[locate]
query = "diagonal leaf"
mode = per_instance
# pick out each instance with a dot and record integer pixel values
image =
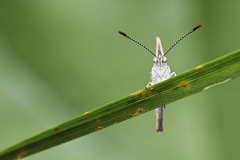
(193, 81)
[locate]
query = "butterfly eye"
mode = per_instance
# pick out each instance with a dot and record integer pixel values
(155, 60)
(164, 59)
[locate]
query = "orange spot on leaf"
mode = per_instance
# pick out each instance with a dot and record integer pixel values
(152, 89)
(139, 109)
(184, 84)
(55, 129)
(146, 94)
(86, 113)
(139, 93)
(99, 128)
(132, 95)
(199, 67)
(135, 114)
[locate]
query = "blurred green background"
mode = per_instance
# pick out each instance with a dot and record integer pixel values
(59, 59)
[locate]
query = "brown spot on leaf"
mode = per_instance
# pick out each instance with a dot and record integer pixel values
(135, 114)
(139, 109)
(184, 84)
(139, 93)
(21, 154)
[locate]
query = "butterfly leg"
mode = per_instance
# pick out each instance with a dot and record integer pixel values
(149, 84)
(159, 118)
(173, 74)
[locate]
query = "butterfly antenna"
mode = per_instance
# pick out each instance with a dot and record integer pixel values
(194, 29)
(125, 35)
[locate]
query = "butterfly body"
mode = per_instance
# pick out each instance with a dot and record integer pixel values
(160, 72)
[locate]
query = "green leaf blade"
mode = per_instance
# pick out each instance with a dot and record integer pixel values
(196, 80)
